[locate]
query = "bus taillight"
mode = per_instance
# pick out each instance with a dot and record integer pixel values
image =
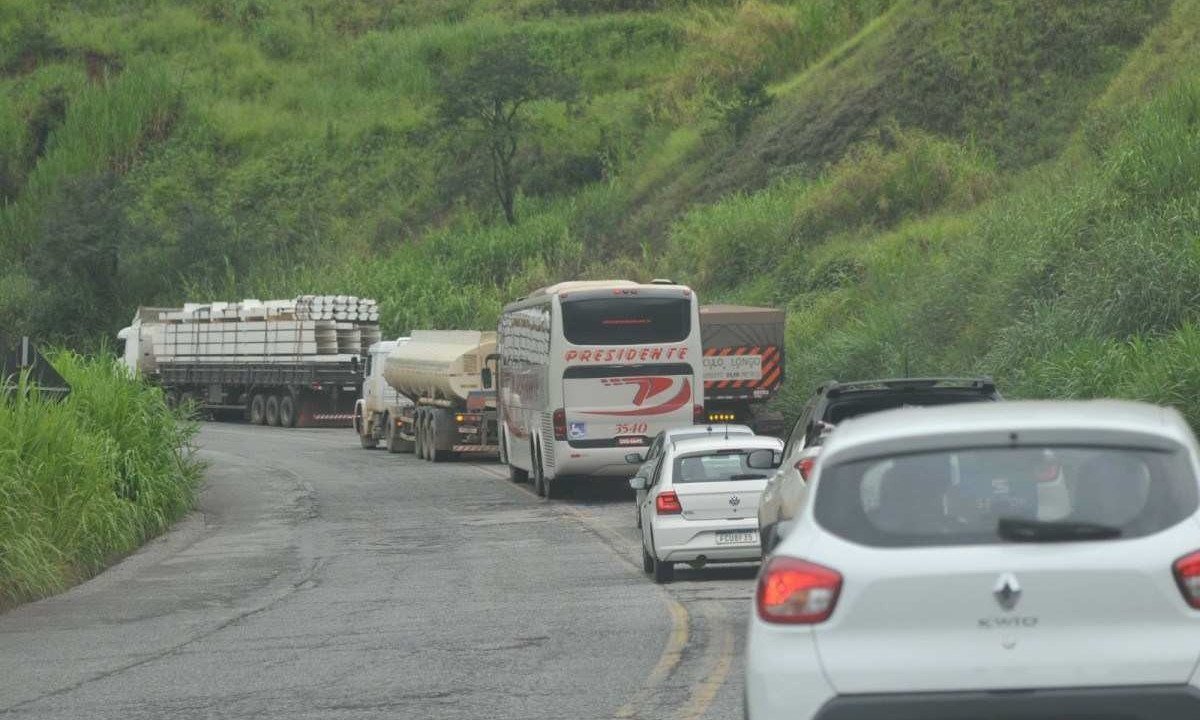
(560, 424)
(698, 414)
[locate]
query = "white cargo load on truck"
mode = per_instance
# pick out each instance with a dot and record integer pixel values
(440, 364)
(289, 361)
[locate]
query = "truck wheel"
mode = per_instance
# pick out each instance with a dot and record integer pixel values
(272, 411)
(258, 410)
(435, 454)
(437, 420)
(395, 443)
(287, 411)
(419, 431)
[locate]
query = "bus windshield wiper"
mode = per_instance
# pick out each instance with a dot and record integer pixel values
(1023, 530)
(748, 476)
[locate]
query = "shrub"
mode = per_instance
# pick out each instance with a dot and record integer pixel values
(88, 479)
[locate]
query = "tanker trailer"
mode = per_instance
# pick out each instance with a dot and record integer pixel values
(448, 375)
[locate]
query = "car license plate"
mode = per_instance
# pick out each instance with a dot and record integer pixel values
(737, 537)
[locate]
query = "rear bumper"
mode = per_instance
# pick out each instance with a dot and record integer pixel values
(1155, 702)
(678, 540)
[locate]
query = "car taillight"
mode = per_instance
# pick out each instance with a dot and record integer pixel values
(805, 466)
(560, 424)
(667, 503)
(1187, 574)
(796, 592)
(698, 414)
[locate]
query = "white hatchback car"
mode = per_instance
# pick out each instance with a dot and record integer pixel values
(925, 580)
(701, 501)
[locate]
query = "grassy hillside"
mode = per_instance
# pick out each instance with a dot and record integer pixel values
(928, 186)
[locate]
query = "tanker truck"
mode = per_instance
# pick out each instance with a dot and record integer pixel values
(448, 375)
(743, 365)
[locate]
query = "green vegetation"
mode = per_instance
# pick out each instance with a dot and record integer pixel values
(929, 187)
(87, 479)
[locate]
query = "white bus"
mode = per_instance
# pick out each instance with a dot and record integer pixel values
(589, 372)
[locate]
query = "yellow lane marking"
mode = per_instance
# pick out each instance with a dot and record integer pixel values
(720, 654)
(667, 662)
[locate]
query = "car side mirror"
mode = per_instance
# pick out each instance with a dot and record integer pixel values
(485, 376)
(635, 458)
(637, 482)
(764, 459)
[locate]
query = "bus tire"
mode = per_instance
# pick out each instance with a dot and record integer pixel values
(517, 475)
(539, 476)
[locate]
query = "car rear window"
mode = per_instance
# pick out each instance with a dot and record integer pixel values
(976, 496)
(715, 467)
(871, 403)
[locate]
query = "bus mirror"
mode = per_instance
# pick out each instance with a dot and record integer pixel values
(485, 376)
(635, 458)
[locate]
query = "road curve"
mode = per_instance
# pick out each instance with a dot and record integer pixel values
(319, 580)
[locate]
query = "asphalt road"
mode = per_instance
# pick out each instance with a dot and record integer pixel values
(320, 580)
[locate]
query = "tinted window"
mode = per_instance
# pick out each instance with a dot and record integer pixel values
(626, 321)
(855, 406)
(962, 497)
(715, 467)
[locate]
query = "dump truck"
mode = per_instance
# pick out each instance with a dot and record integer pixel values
(287, 363)
(376, 412)
(448, 375)
(743, 365)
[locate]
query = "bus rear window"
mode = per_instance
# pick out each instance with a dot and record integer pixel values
(626, 321)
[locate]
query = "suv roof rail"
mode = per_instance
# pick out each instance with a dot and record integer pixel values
(982, 384)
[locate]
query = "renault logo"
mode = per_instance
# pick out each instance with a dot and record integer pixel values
(1007, 591)
(735, 501)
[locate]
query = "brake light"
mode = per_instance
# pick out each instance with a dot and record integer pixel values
(560, 424)
(805, 466)
(698, 414)
(796, 592)
(667, 503)
(1187, 574)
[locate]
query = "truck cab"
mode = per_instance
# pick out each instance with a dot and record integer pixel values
(380, 407)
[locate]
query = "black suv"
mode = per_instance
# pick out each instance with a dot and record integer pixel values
(834, 402)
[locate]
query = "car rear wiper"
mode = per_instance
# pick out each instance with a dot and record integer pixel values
(1023, 530)
(748, 476)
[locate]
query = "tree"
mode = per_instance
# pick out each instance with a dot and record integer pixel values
(486, 99)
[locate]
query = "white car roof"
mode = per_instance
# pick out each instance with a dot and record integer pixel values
(717, 429)
(718, 442)
(1088, 421)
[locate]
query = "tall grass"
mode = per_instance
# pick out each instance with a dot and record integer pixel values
(87, 479)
